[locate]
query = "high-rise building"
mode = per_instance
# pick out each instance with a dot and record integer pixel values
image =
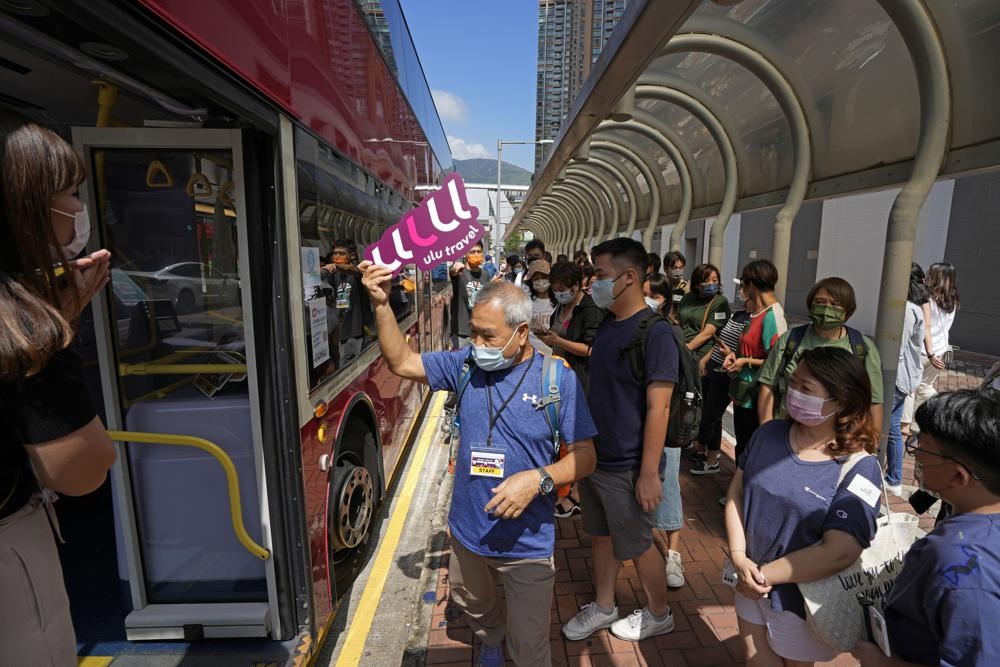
(571, 36)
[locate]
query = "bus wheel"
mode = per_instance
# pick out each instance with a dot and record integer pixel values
(353, 501)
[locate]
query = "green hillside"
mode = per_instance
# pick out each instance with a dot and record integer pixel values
(482, 170)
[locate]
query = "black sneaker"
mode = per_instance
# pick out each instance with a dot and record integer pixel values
(706, 468)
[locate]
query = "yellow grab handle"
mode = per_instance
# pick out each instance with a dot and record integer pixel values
(235, 511)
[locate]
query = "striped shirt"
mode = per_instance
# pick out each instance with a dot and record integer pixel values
(730, 335)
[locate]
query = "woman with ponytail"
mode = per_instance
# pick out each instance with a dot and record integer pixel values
(790, 518)
(50, 437)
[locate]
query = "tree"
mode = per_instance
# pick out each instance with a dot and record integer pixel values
(514, 243)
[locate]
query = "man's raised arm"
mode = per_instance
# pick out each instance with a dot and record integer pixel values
(401, 360)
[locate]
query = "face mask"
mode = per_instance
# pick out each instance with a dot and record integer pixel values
(491, 359)
(519, 270)
(81, 231)
(652, 303)
(710, 289)
(827, 317)
(540, 285)
(806, 408)
(564, 297)
(474, 261)
(603, 291)
(677, 274)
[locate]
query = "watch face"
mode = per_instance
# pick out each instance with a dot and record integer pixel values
(546, 486)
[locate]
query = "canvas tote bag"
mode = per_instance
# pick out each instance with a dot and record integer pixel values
(833, 612)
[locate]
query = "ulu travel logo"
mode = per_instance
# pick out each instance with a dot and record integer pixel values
(443, 227)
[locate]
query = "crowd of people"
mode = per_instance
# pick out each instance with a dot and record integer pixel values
(804, 501)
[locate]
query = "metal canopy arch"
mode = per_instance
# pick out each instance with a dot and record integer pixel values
(622, 178)
(698, 189)
(544, 225)
(604, 181)
(650, 87)
(581, 195)
(657, 186)
(559, 193)
(560, 222)
(680, 166)
(610, 198)
(653, 206)
(791, 104)
(596, 197)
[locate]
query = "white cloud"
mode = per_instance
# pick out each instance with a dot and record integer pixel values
(450, 107)
(463, 150)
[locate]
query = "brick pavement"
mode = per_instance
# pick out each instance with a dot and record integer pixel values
(705, 630)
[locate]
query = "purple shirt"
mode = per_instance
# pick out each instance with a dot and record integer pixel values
(789, 503)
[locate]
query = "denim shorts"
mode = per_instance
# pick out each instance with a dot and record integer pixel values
(669, 515)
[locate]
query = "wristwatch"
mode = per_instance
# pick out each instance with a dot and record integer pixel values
(546, 485)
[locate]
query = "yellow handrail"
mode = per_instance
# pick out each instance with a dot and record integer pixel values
(180, 369)
(235, 511)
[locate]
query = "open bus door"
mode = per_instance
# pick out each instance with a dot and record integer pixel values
(174, 344)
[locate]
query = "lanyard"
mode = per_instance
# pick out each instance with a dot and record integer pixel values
(489, 399)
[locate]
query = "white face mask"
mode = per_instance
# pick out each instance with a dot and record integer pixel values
(564, 297)
(81, 231)
(492, 358)
(540, 285)
(652, 303)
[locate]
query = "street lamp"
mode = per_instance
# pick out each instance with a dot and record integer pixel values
(427, 162)
(496, 231)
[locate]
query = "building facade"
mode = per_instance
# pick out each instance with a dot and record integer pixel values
(571, 36)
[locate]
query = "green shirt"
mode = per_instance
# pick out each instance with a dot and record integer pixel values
(691, 312)
(773, 376)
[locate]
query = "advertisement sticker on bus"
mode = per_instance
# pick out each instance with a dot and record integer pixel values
(443, 227)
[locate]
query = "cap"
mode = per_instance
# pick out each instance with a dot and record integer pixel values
(737, 281)
(538, 266)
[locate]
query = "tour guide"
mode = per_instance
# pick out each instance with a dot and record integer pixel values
(501, 520)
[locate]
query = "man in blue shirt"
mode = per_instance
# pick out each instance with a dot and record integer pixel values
(501, 517)
(620, 497)
(944, 607)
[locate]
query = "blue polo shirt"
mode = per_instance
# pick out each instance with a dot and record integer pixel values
(522, 434)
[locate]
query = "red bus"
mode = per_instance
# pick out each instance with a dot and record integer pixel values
(230, 147)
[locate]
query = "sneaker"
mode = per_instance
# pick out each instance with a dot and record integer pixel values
(490, 656)
(697, 455)
(675, 571)
(563, 512)
(588, 620)
(894, 489)
(640, 625)
(706, 468)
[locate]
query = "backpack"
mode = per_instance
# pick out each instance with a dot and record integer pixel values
(795, 336)
(685, 402)
(552, 372)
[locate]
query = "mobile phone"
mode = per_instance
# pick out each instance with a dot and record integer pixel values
(729, 575)
(877, 629)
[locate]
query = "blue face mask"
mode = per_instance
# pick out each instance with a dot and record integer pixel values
(602, 292)
(709, 290)
(491, 359)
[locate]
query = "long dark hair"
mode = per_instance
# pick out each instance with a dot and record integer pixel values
(35, 165)
(941, 281)
(844, 377)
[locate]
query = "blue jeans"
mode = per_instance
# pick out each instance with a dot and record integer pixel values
(669, 515)
(894, 447)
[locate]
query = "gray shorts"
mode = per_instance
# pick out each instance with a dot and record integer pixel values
(611, 510)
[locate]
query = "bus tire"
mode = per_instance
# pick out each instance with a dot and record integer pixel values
(353, 501)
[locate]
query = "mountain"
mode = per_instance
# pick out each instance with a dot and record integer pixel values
(482, 170)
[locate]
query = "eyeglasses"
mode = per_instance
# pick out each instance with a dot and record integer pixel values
(912, 447)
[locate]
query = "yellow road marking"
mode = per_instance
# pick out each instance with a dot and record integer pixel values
(360, 625)
(94, 661)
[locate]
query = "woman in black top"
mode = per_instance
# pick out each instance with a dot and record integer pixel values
(50, 436)
(574, 322)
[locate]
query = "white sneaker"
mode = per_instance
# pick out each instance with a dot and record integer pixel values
(675, 572)
(895, 489)
(640, 625)
(587, 621)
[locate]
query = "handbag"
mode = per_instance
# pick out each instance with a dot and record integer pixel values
(834, 612)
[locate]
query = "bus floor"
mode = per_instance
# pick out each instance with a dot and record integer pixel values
(411, 622)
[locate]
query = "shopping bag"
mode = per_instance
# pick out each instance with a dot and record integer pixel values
(833, 611)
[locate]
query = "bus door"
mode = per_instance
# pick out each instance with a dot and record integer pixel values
(176, 352)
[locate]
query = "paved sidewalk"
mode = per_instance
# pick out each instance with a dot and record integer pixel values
(705, 624)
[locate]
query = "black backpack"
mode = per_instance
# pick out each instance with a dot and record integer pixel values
(685, 402)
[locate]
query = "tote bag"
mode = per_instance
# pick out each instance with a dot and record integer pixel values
(833, 612)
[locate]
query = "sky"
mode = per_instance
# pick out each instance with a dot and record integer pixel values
(479, 57)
